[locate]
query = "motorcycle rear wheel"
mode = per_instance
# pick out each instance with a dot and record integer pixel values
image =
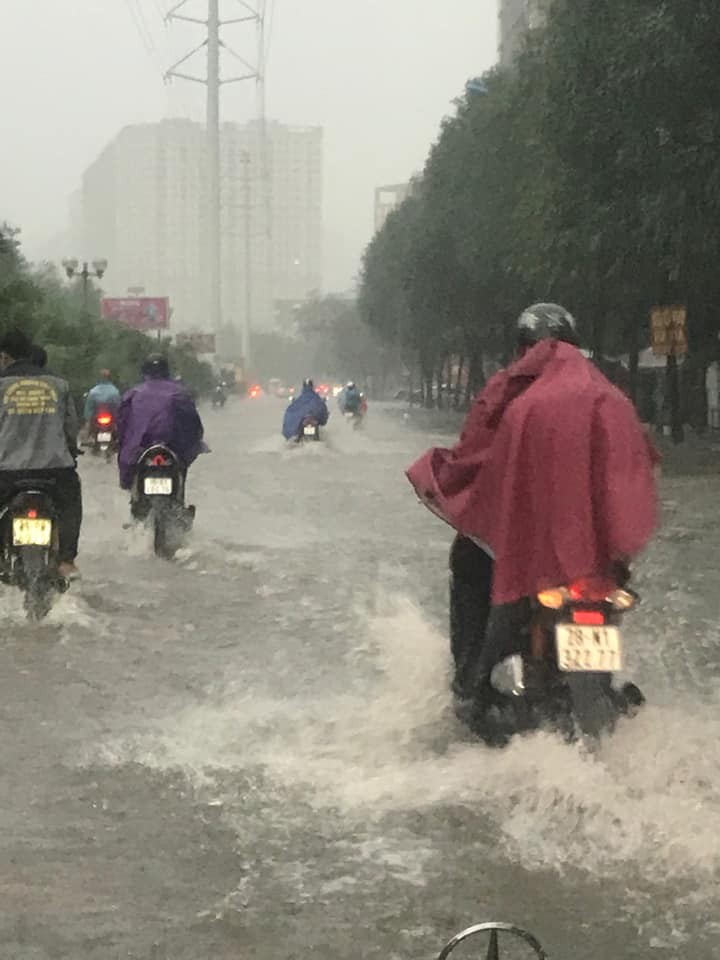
(38, 584)
(593, 706)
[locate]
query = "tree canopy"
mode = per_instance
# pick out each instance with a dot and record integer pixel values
(587, 173)
(79, 344)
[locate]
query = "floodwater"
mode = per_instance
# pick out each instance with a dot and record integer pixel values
(250, 752)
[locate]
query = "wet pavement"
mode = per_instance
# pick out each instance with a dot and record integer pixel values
(250, 752)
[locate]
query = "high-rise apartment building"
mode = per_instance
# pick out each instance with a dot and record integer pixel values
(515, 18)
(144, 204)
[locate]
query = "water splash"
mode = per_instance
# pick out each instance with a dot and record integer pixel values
(390, 746)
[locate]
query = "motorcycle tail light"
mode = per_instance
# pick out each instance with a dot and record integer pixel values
(554, 599)
(32, 514)
(622, 599)
(588, 618)
(591, 588)
(159, 461)
(104, 419)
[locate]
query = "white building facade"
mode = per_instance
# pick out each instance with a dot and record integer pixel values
(144, 207)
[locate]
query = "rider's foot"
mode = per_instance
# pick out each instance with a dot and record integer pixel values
(68, 570)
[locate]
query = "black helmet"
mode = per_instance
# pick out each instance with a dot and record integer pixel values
(156, 365)
(546, 321)
(308, 384)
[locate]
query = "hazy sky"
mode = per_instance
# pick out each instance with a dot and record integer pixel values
(378, 75)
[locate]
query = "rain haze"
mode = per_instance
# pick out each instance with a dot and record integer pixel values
(377, 75)
(245, 711)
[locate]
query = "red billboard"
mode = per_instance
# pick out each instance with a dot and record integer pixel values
(140, 313)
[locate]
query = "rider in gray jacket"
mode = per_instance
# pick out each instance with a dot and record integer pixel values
(38, 438)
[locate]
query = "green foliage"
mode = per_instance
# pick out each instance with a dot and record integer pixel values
(587, 174)
(78, 344)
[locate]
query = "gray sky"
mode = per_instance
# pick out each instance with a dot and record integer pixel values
(378, 75)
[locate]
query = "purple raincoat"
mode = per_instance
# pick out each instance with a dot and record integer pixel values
(157, 411)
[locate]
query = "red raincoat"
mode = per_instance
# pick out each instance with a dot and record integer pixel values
(553, 472)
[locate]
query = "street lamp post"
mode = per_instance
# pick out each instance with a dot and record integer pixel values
(71, 265)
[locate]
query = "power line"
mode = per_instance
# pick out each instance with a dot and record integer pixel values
(268, 40)
(145, 38)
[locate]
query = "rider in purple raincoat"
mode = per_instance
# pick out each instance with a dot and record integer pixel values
(159, 410)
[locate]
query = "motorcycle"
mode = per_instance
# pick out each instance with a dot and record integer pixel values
(558, 669)
(29, 546)
(309, 430)
(102, 435)
(219, 398)
(158, 499)
(354, 418)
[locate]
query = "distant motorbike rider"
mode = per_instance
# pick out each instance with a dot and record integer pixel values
(350, 398)
(219, 395)
(309, 405)
(158, 410)
(103, 396)
(551, 480)
(38, 438)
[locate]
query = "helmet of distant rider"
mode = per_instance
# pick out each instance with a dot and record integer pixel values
(546, 321)
(308, 384)
(350, 385)
(156, 365)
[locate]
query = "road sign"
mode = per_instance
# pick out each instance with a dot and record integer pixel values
(668, 327)
(140, 313)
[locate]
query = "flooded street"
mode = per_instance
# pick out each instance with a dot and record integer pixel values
(250, 752)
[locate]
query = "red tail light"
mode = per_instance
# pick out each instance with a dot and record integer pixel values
(159, 460)
(32, 514)
(591, 588)
(105, 419)
(588, 618)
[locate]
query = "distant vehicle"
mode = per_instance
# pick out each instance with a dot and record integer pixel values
(255, 391)
(323, 389)
(285, 393)
(102, 436)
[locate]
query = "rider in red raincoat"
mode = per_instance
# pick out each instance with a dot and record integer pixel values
(552, 480)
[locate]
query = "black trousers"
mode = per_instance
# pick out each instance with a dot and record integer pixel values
(481, 634)
(67, 494)
(471, 573)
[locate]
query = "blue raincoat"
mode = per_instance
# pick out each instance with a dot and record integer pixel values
(349, 400)
(308, 404)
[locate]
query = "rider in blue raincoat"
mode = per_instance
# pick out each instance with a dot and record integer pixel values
(350, 399)
(308, 404)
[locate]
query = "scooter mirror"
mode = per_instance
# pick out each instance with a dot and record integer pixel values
(508, 677)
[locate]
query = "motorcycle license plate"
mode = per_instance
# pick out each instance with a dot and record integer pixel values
(31, 533)
(588, 649)
(309, 431)
(158, 486)
(104, 437)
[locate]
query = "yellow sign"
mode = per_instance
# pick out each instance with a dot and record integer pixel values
(668, 328)
(35, 397)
